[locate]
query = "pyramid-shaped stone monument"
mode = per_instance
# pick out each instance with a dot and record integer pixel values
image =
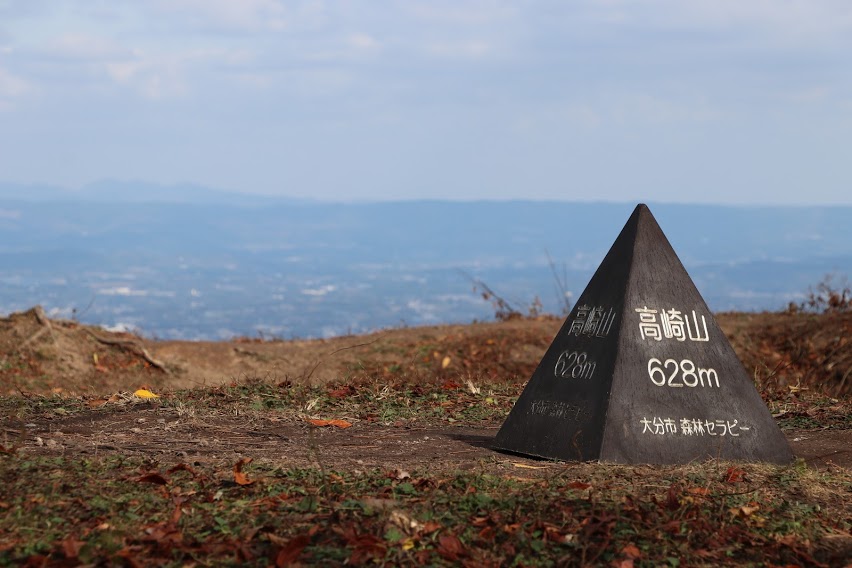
(640, 372)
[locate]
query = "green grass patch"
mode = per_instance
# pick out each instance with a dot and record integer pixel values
(381, 402)
(116, 510)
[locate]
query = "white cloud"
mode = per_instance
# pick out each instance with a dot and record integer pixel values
(123, 71)
(85, 46)
(165, 74)
(652, 109)
(258, 81)
(12, 86)
(329, 48)
(791, 18)
(130, 292)
(814, 94)
(469, 13)
(153, 76)
(464, 49)
(233, 15)
(121, 327)
(573, 115)
(801, 23)
(363, 42)
(321, 291)
(122, 291)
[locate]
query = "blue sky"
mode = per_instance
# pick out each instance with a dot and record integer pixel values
(722, 101)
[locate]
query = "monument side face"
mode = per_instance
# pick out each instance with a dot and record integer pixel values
(562, 410)
(679, 391)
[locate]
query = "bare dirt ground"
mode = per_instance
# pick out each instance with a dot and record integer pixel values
(784, 351)
(39, 355)
(163, 434)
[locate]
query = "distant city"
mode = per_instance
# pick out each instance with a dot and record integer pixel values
(191, 263)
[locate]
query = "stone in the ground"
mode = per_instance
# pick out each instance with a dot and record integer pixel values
(640, 372)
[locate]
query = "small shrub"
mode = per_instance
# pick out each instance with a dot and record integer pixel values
(826, 298)
(503, 309)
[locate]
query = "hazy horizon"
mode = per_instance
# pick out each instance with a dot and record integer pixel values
(152, 192)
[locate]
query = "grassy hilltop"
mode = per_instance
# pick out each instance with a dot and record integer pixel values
(374, 450)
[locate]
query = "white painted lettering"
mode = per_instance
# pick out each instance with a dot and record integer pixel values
(679, 374)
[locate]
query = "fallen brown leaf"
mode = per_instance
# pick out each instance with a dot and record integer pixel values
(290, 552)
(365, 547)
(163, 533)
(71, 547)
(632, 552)
(342, 392)
(153, 478)
(745, 510)
(734, 475)
(431, 526)
(182, 467)
(240, 477)
(450, 547)
(335, 423)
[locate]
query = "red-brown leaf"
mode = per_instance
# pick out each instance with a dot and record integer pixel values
(335, 423)
(342, 392)
(366, 548)
(450, 547)
(291, 551)
(71, 547)
(153, 478)
(672, 502)
(163, 533)
(630, 551)
(431, 526)
(734, 475)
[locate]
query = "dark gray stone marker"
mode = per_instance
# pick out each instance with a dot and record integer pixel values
(640, 372)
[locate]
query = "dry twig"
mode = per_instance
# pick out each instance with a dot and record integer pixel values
(129, 344)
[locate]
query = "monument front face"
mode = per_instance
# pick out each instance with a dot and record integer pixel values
(562, 410)
(641, 372)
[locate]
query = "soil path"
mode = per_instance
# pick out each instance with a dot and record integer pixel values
(166, 435)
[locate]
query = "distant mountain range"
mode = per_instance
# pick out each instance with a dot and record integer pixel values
(114, 191)
(189, 262)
